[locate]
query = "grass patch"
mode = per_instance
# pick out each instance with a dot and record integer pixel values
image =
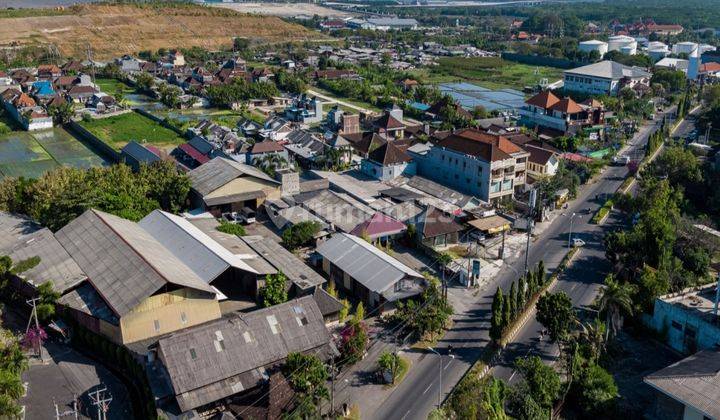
(489, 72)
(603, 211)
(403, 368)
(118, 130)
(347, 100)
(110, 86)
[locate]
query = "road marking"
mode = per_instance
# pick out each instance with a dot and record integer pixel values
(406, 414)
(427, 389)
(447, 365)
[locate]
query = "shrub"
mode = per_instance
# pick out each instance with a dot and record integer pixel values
(231, 228)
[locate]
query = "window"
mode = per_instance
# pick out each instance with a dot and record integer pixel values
(193, 353)
(300, 316)
(247, 336)
(677, 325)
(219, 341)
(183, 318)
(274, 325)
(156, 323)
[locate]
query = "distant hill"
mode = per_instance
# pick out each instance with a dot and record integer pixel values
(113, 30)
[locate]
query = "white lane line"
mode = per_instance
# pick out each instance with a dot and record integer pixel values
(406, 414)
(427, 389)
(448, 364)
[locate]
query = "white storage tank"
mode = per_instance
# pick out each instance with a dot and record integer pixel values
(629, 49)
(684, 47)
(618, 41)
(593, 45)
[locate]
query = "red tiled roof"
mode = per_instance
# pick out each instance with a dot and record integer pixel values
(574, 157)
(388, 122)
(539, 155)
(266, 147)
(378, 225)
(193, 153)
(567, 106)
(544, 99)
(710, 67)
(24, 101)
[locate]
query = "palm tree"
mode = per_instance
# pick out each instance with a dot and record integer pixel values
(593, 335)
(616, 299)
(270, 163)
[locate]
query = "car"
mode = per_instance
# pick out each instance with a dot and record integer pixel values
(476, 236)
(577, 242)
(247, 215)
(232, 217)
(620, 160)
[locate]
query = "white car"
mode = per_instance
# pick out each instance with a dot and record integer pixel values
(577, 242)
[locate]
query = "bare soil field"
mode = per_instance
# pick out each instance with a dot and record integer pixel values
(283, 9)
(113, 30)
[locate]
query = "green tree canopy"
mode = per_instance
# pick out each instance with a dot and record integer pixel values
(555, 312)
(275, 290)
(542, 380)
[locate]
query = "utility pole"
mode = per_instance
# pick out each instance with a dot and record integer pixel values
(332, 387)
(532, 202)
(70, 412)
(101, 402)
(33, 316)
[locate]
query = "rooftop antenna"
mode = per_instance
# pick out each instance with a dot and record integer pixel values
(101, 402)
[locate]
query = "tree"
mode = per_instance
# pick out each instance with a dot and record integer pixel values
(45, 307)
(496, 320)
(275, 290)
(391, 363)
(541, 275)
(300, 234)
(429, 314)
(555, 312)
(596, 390)
(354, 340)
(61, 113)
(270, 163)
(522, 286)
(592, 338)
(170, 95)
(542, 380)
(144, 82)
(616, 299)
(513, 300)
(240, 44)
(478, 398)
(307, 376)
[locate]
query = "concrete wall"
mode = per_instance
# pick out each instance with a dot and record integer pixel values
(458, 171)
(387, 173)
(686, 323)
(594, 85)
(103, 147)
(168, 309)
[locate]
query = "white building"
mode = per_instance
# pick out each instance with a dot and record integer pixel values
(625, 44)
(657, 50)
(673, 64)
(688, 47)
(594, 45)
(605, 77)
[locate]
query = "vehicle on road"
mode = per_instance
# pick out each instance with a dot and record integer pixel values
(577, 242)
(620, 160)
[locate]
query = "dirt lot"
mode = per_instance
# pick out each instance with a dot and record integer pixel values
(114, 30)
(284, 9)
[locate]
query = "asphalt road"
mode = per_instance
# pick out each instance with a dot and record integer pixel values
(417, 395)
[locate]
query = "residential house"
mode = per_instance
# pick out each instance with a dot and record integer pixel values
(304, 109)
(688, 389)
(237, 353)
(388, 161)
(223, 185)
(135, 154)
(48, 71)
(563, 116)
(262, 150)
(473, 162)
(136, 288)
(541, 162)
(275, 128)
(604, 78)
(304, 147)
(437, 229)
(380, 228)
(25, 110)
(369, 274)
(390, 125)
(340, 211)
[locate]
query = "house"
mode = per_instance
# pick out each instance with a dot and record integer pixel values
(25, 110)
(302, 280)
(304, 147)
(136, 288)
(81, 93)
(390, 125)
(388, 161)
(275, 128)
(380, 228)
(261, 150)
(541, 162)
(209, 363)
(48, 71)
(369, 274)
(565, 116)
(223, 185)
(340, 211)
(474, 162)
(688, 320)
(688, 389)
(436, 229)
(304, 109)
(135, 155)
(665, 30)
(335, 74)
(604, 78)
(262, 75)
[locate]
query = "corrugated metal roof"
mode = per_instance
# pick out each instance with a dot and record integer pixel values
(219, 171)
(694, 381)
(124, 262)
(335, 209)
(21, 238)
(207, 258)
(283, 260)
(363, 262)
(221, 358)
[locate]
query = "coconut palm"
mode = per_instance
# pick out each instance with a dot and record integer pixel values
(592, 334)
(616, 299)
(270, 163)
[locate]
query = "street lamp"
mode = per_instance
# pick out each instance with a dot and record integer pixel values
(572, 216)
(441, 370)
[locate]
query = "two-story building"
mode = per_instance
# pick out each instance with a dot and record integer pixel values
(476, 163)
(563, 116)
(604, 78)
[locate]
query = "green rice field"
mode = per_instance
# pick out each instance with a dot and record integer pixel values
(31, 154)
(118, 130)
